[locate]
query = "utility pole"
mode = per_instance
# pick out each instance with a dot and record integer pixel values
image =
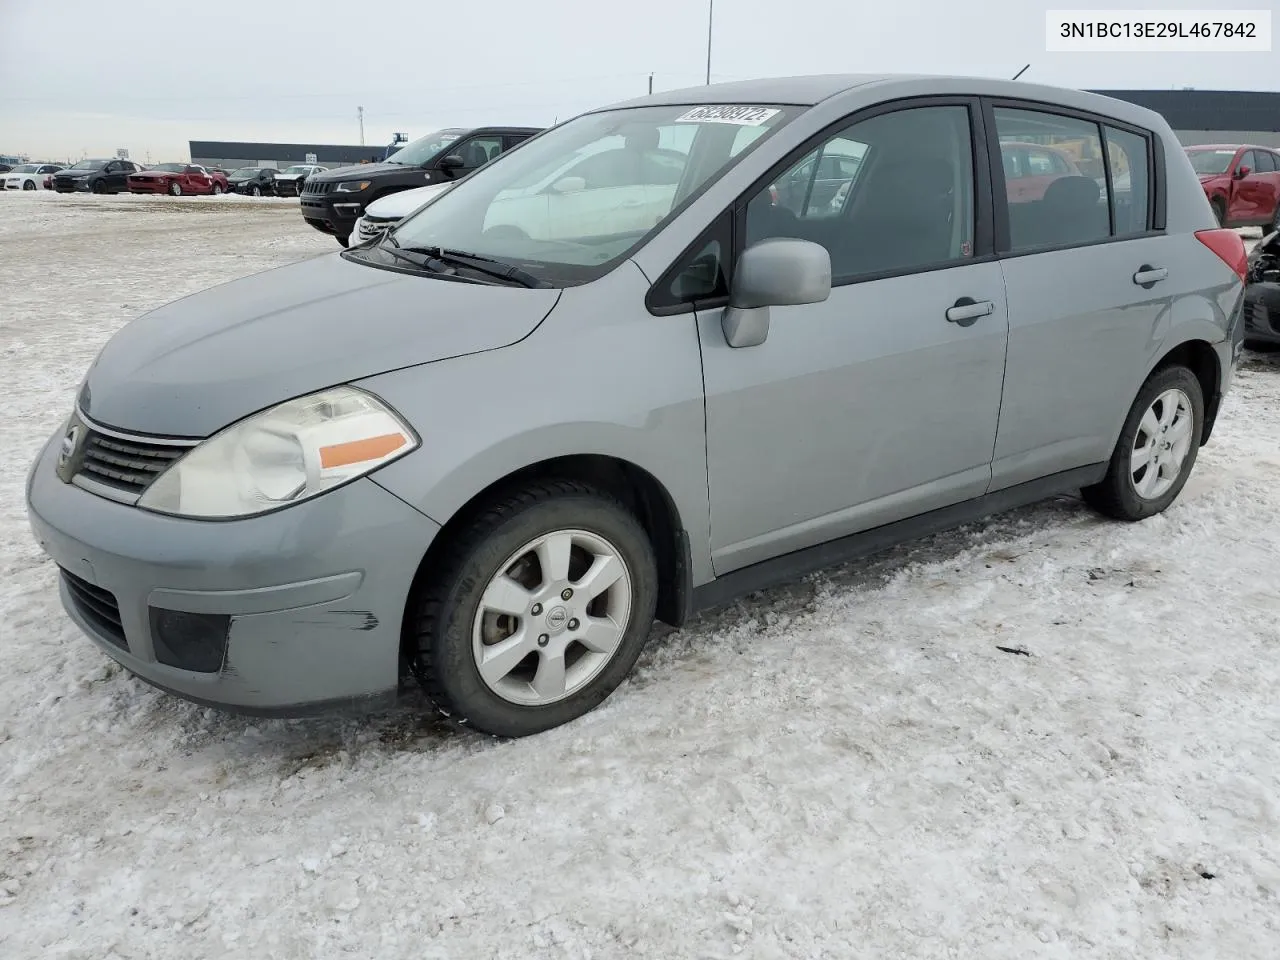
(651, 83)
(711, 9)
(360, 117)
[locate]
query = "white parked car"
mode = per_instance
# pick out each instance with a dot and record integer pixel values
(386, 212)
(28, 176)
(289, 180)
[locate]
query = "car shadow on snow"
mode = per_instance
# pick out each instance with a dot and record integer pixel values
(413, 726)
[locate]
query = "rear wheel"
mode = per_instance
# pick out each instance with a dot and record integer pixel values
(1156, 450)
(216, 189)
(538, 611)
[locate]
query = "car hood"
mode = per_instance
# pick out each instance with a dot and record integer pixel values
(361, 170)
(198, 364)
(153, 173)
(403, 202)
(76, 173)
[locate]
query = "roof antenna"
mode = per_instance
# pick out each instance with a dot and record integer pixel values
(1022, 71)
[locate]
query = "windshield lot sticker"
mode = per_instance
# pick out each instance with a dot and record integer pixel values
(742, 116)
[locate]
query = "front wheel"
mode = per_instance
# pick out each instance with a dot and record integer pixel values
(28, 184)
(344, 241)
(1156, 450)
(175, 189)
(537, 612)
(98, 187)
(256, 191)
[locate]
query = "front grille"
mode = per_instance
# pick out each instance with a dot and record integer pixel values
(98, 607)
(128, 465)
(318, 188)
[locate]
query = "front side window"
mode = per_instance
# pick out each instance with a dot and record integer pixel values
(1066, 204)
(1267, 162)
(889, 194)
(570, 204)
(1248, 161)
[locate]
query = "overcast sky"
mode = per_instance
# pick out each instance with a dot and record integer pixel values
(89, 76)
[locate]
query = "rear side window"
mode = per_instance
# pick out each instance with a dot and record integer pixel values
(1129, 162)
(1057, 202)
(1266, 162)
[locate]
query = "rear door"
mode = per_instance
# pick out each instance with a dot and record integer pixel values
(882, 402)
(1088, 281)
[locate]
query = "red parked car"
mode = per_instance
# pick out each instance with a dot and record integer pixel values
(1242, 183)
(176, 179)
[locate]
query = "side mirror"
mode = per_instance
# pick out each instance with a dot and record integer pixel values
(1242, 172)
(773, 273)
(452, 162)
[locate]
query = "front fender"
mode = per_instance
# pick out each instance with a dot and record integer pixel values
(600, 376)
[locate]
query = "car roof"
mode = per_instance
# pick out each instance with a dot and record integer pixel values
(1217, 146)
(808, 91)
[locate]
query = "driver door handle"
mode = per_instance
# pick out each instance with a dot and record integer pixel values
(966, 311)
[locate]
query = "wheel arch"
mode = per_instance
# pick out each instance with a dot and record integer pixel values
(1200, 357)
(637, 488)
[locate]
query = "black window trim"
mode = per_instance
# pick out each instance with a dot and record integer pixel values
(983, 235)
(1156, 201)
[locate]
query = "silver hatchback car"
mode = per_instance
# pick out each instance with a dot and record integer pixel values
(629, 370)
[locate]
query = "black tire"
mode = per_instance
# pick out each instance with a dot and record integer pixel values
(256, 191)
(1115, 496)
(175, 189)
(98, 187)
(445, 610)
(344, 241)
(28, 184)
(1219, 211)
(216, 190)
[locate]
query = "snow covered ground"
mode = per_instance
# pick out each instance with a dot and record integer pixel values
(846, 768)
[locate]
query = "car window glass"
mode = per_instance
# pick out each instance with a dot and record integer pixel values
(1068, 203)
(1266, 161)
(478, 151)
(1247, 160)
(1127, 157)
(902, 197)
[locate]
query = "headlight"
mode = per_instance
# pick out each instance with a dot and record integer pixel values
(352, 186)
(284, 455)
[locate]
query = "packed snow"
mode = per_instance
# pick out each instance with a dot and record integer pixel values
(1043, 736)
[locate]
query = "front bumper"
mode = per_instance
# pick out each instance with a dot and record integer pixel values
(335, 214)
(1262, 313)
(288, 188)
(71, 186)
(306, 603)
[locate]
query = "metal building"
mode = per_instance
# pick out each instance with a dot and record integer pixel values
(1212, 116)
(230, 154)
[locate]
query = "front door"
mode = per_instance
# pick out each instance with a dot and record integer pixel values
(882, 402)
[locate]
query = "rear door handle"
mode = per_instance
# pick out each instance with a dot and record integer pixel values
(1148, 276)
(966, 311)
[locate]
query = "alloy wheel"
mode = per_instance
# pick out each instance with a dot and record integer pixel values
(1161, 445)
(552, 617)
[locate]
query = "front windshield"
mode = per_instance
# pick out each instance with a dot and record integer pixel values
(89, 165)
(245, 173)
(168, 167)
(1211, 161)
(425, 149)
(570, 203)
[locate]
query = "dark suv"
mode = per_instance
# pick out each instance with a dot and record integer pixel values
(332, 201)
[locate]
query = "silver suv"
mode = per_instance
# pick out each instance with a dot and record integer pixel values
(631, 369)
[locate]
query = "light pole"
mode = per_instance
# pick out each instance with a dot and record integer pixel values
(711, 10)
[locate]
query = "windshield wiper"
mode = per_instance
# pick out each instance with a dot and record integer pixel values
(499, 269)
